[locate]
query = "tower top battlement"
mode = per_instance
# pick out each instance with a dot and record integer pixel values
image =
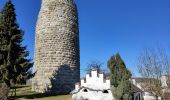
(59, 1)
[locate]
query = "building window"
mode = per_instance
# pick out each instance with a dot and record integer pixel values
(105, 91)
(139, 96)
(136, 98)
(85, 90)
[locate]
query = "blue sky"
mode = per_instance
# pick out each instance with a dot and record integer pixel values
(107, 27)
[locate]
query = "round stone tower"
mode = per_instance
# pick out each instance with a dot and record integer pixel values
(57, 57)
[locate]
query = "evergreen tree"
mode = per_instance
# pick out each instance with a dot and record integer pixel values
(119, 77)
(14, 66)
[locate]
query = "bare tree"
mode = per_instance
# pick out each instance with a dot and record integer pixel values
(153, 64)
(94, 65)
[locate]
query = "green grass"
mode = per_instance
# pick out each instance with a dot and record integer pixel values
(25, 93)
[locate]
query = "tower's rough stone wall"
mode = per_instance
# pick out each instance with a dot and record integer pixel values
(56, 58)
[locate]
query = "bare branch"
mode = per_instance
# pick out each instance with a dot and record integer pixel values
(153, 63)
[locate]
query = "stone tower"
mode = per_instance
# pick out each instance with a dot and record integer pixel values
(57, 58)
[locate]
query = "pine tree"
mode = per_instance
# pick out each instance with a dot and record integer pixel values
(14, 65)
(119, 76)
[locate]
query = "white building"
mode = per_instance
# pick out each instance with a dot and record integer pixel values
(165, 80)
(144, 94)
(95, 86)
(137, 93)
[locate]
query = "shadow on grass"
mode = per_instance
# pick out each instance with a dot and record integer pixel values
(20, 86)
(34, 96)
(62, 83)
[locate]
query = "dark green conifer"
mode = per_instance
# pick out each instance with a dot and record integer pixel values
(119, 77)
(14, 66)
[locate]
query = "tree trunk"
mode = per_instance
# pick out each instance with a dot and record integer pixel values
(15, 92)
(4, 90)
(12, 92)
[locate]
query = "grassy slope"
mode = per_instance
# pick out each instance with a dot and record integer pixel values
(25, 93)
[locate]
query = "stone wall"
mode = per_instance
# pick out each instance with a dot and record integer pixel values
(56, 58)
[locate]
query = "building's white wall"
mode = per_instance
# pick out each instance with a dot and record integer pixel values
(90, 81)
(148, 97)
(92, 95)
(93, 81)
(164, 81)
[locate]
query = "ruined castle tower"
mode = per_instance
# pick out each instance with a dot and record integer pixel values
(56, 58)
